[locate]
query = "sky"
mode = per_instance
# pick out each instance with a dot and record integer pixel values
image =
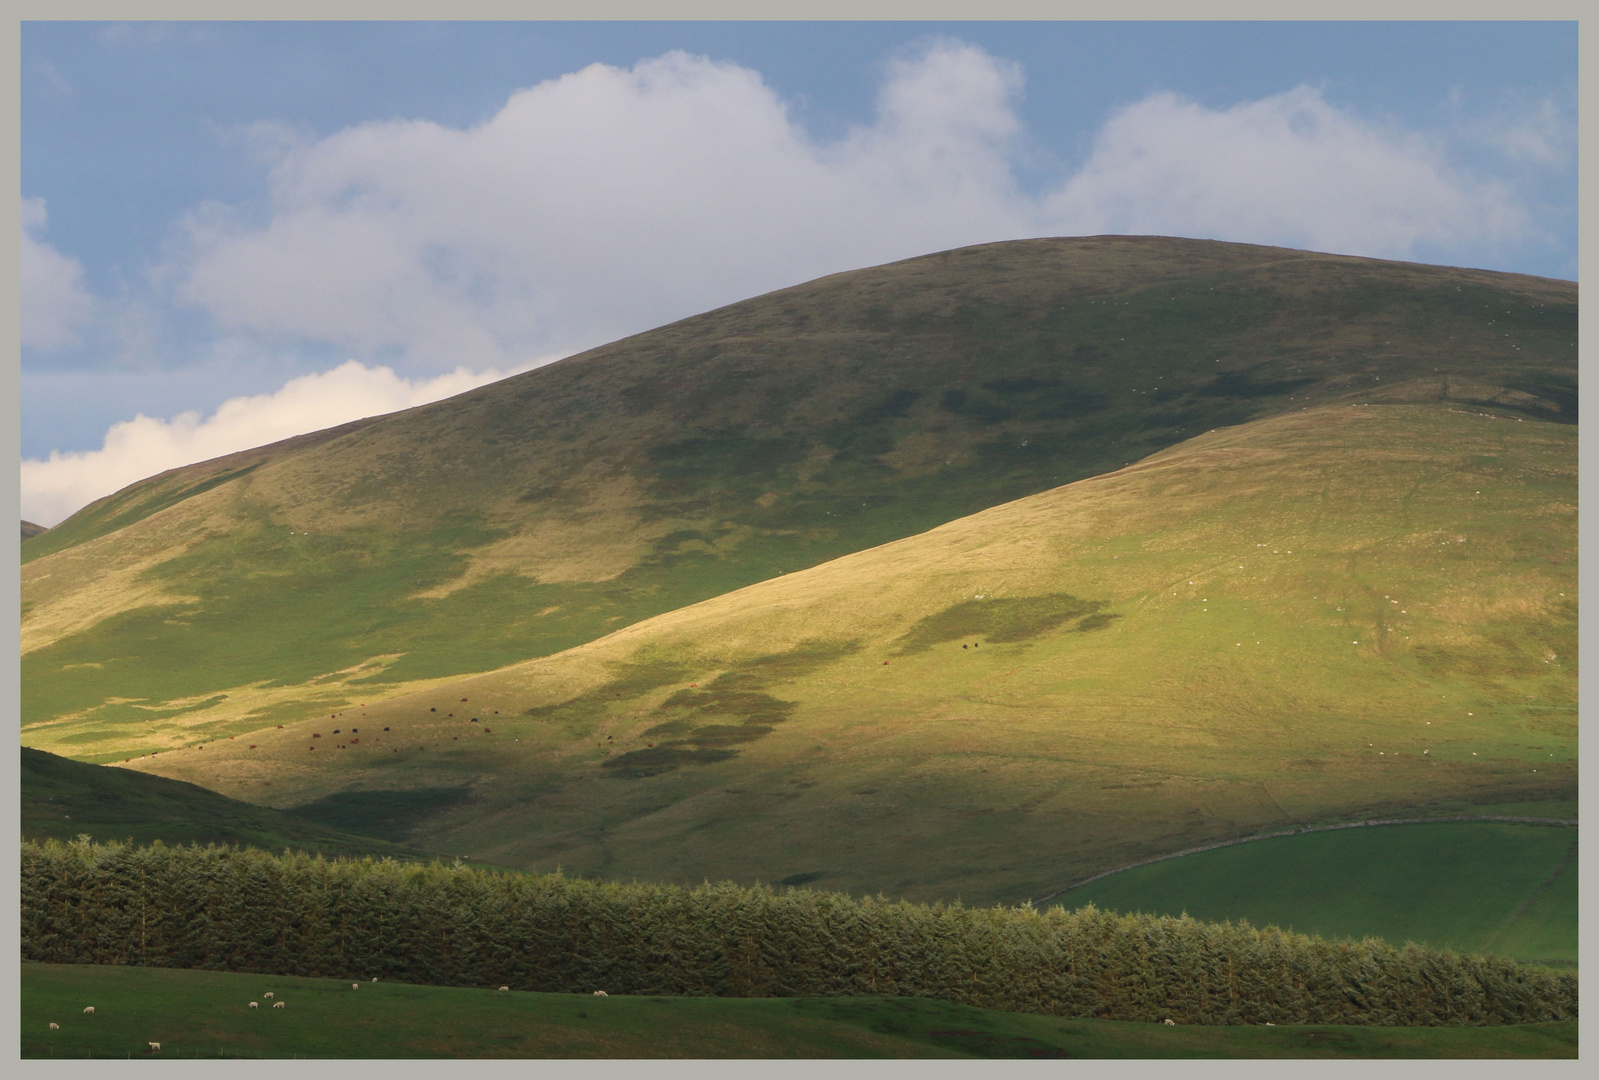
(237, 232)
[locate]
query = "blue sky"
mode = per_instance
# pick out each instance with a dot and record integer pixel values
(237, 231)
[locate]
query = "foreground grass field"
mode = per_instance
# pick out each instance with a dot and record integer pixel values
(1473, 887)
(205, 1014)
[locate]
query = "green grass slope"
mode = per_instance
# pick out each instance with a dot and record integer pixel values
(63, 799)
(1338, 613)
(1472, 887)
(530, 516)
(206, 1015)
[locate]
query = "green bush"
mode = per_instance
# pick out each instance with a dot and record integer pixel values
(240, 909)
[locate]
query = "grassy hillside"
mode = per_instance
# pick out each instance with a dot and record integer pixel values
(206, 1014)
(63, 799)
(539, 513)
(1345, 611)
(1474, 887)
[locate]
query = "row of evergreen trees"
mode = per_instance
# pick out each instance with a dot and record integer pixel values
(293, 914)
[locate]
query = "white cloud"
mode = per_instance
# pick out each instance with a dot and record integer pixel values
(605, 202)
(611, 200)
(55, 488)
(1541, 134)
(53, 300)
(1290, 169)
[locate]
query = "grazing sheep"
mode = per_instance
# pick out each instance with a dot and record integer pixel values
(355, 986)
(277, 1004)
(601, 993)
(505, 988)
(1171, 1023)
(155, 1047)
(90, 1009)
(267, 994)
(1270, 1024)
(255, 1004)
(55, 1027)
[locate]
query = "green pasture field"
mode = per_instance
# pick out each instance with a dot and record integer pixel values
(1471, 887)
(205, 1015)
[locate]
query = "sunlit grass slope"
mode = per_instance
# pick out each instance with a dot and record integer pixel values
(1472, 887)
(64, 799)
(541, 512)
(1346, 611)
(206, 1014)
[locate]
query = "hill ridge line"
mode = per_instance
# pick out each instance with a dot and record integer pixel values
(1301, 831)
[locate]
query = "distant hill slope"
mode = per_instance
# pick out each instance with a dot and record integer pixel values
(1346, 611)
(62, 799)
(538, 513)
(29, 529)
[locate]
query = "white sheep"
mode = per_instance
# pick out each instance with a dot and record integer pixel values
(277, 1005)
(355, 986)
(55, 1027)
(1171, 1023)
(155, 1047)
(601, 993)
(90, 1009)
(267, 994)
(254, 1004)
(505, 988)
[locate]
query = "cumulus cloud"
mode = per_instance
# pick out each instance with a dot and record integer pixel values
(607, 201)
(1290, 169)
(55, 488)
(612, 199)
(53, 299)
(1541, 134)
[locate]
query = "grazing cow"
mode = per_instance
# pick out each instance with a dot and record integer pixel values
(268, 994)
(254, 1004)
(55, 1027)
(155, 1047)
(601, 993)
(90, 1009)
(277, 1004)
(1171, 1023)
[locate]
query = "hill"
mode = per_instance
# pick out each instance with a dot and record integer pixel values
(1344, 611)
(541, 512)
(30, 530)
(63, 799)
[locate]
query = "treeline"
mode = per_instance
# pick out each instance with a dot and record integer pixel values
(293, 914)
